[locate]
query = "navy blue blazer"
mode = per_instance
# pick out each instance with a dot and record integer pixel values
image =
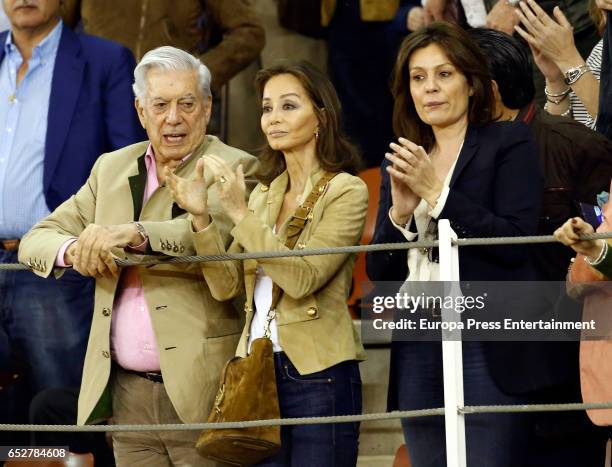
(91, 110)
(495, 190)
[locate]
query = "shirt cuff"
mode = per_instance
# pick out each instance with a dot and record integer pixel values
(437, 209)
(59, 259)
(403, 228)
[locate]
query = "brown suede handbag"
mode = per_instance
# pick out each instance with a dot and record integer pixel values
(247, 389)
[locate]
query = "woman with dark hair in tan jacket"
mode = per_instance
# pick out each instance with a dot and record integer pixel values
(316, 348)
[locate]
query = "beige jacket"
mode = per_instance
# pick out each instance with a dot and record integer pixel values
(195, 333)
(370, 10)
(315, 328)
(226, 34)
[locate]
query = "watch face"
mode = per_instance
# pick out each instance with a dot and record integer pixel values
(571, 75)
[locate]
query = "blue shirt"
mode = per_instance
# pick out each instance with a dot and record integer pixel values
(23, 130)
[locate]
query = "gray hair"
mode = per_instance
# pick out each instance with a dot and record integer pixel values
(169, 58)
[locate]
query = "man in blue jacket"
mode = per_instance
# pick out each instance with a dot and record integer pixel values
(65, 98)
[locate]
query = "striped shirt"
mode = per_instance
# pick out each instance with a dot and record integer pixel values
(577, 108)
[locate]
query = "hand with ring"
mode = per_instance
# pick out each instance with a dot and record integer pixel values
(231, 187)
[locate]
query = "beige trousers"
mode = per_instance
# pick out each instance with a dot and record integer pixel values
(138, 401)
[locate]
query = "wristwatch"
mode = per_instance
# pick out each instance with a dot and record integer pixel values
(573, 74)
(141, 231)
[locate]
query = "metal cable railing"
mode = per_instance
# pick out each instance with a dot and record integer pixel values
(340, 250)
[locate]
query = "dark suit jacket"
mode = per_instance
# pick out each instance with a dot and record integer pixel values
(495, 190)
(91, 110)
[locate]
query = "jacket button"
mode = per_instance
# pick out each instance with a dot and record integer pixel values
(301, 246)
(105, 354)
(106, 311)
(247, 308)
(162, 245)
(181, 249)
(312, 311)
(265, 188)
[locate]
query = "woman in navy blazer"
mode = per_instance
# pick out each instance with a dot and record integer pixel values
(452, 161)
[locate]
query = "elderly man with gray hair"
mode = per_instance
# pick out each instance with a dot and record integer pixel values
(158, 339)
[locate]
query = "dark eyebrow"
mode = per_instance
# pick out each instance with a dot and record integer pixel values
(437, 66)
(289, 94)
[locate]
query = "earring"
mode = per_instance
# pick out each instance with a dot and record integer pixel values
(317, 134)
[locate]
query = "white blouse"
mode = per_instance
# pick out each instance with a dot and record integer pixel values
(420, 268)
(263, 300)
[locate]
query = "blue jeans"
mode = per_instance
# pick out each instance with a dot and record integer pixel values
(492, 440)
(44, 326)
(334, 391)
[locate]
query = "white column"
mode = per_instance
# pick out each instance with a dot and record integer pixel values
(452, 356)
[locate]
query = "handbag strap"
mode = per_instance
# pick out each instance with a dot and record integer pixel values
(298, 222)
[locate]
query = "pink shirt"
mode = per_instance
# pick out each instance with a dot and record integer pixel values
(133, 342)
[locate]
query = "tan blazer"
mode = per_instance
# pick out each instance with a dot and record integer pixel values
(195, 333)
(315, 328)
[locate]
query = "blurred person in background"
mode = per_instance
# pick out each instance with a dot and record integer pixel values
(501, 16)
(362, 38)
(576, 165)
(572, 84)
(588, 279)
(604, 120)
(225, 34)
(66, 99)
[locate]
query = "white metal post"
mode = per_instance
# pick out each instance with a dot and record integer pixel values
(452, 355)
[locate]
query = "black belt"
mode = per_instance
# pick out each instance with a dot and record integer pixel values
(154, 376)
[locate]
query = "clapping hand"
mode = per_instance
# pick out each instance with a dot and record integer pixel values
(231, 186)
(191, 194)
(553, 38)
(414, 177)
